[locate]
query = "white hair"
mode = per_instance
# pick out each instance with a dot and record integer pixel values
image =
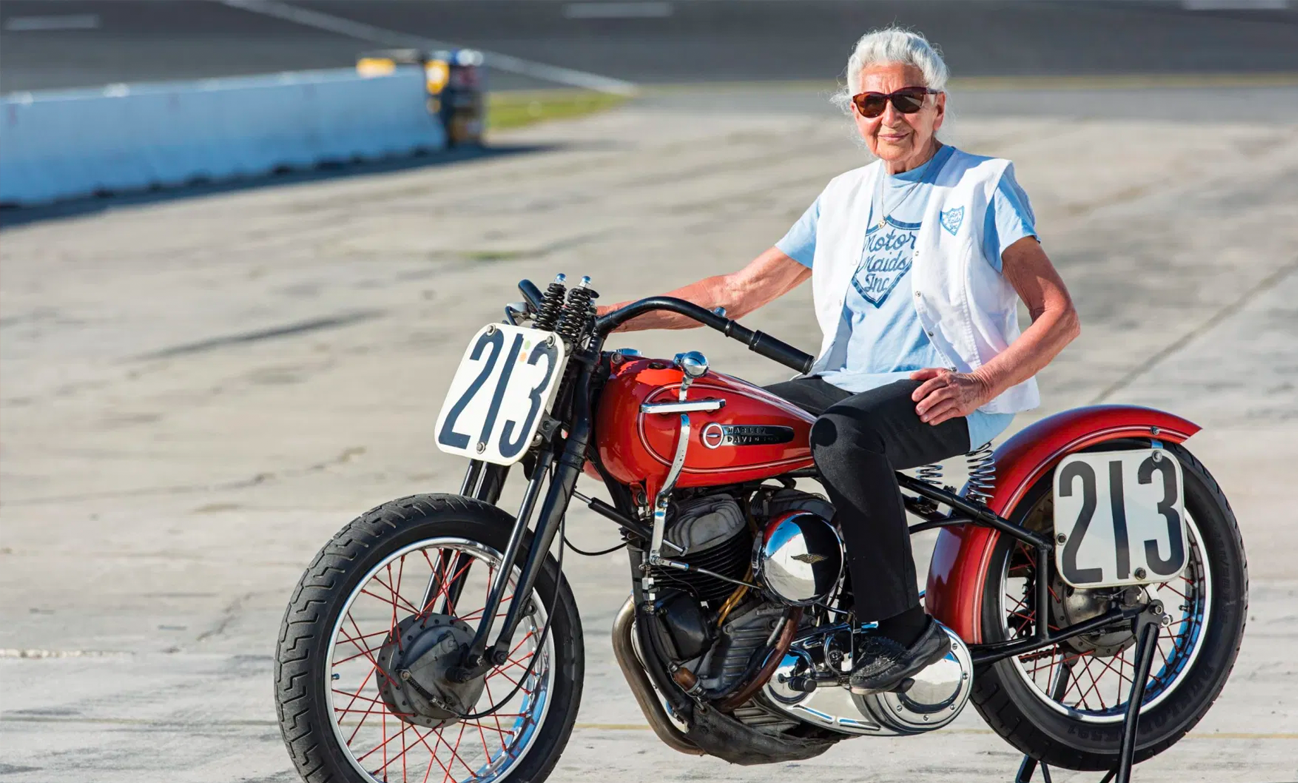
(891, 45)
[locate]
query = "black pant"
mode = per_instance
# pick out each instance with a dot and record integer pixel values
(858, 442)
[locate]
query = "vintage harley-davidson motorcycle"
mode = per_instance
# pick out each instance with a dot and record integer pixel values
(1090, 576)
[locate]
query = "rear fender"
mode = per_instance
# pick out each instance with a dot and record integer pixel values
(958, 570)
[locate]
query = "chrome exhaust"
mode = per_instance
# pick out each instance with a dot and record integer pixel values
(641, 687)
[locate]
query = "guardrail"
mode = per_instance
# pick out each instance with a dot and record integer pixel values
(67, 144)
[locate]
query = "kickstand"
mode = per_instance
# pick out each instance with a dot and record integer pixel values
(1145, 627)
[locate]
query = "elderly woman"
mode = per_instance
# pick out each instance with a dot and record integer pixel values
(917, 263)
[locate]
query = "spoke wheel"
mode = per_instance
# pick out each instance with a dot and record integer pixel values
(376, 623)
(1090, 678)
(432, 579)
(1065, 704)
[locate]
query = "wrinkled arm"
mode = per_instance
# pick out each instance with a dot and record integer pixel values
(1054, 319)
(944, 395)
(764, 279)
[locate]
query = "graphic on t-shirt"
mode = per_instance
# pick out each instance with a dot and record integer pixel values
(886, 261)
(952, 218)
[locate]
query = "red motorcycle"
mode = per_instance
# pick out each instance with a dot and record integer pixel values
(1090, 576)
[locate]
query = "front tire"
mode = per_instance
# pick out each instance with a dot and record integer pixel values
(341, 727)
(1194, 659)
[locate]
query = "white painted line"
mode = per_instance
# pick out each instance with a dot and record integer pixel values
(617, 10)
(1234, 5)
(378, 35)
(27, 24)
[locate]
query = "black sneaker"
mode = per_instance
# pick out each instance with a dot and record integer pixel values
(882, 664)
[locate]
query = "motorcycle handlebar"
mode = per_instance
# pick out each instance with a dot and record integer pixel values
(758, 342)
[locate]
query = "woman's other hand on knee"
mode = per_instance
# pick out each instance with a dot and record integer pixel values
(944, 394)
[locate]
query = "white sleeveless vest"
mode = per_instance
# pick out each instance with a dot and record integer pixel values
(967, 308)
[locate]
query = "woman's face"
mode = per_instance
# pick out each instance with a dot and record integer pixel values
(902, 140)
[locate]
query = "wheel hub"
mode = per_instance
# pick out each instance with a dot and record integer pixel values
(416, 660)
(1072, 605)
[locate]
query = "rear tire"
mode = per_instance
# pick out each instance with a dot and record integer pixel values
(308, 713)
(1019, 712)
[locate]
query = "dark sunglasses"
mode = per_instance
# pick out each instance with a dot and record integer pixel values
(907, 100)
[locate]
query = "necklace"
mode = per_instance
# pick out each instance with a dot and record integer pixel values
(883, 213)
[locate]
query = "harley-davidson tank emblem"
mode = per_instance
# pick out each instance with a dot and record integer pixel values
(715, 435)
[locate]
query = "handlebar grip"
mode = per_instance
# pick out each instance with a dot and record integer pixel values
(532, 294)
(780, 351)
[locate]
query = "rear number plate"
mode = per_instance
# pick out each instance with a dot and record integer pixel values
(1119, 518)
(504, 386)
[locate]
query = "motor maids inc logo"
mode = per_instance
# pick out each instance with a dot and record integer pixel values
(952, 218)
(887, 260)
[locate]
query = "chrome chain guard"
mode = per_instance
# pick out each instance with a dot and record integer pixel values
(823, 656)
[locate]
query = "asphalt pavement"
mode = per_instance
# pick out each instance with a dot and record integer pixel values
(86, 43)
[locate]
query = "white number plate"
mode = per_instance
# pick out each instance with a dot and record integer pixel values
(504, 386)
(1119, 518)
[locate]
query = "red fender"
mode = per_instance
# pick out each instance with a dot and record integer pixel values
(963, 553)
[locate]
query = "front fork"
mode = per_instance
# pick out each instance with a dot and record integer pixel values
(478, 658)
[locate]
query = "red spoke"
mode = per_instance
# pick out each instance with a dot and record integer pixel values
(443, 589)
(479, 726)
(361, 638)
(405, 749)
(364, 682)
(432, 754)
(1173, 589)
(473, 615)
(1077, 680)
(357, 696)
(486, 751)
(362, 723)
(389, 712)
(377, 749)
(495, 717)
(387, 601)
(363, 651)
(455, 751)
(396, 597)
(377, 668)
(392, 629)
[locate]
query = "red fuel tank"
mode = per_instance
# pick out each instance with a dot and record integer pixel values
(755, 435)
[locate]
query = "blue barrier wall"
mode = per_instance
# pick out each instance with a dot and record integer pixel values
(59, 145)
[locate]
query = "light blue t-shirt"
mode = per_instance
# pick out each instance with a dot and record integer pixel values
(880, 339)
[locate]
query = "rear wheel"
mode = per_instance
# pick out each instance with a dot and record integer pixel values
(375, 623)
(1065, 704)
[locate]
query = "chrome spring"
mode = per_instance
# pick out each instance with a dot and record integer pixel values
(982, 473)
(577, 312)
(548, 318)
(931, 474)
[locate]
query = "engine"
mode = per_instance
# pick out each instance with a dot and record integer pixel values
(725, 638)
(721, 632)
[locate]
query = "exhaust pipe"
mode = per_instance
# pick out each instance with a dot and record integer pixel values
(641, 687)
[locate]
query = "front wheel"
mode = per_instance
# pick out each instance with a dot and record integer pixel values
(378, 619)
(1064, 705)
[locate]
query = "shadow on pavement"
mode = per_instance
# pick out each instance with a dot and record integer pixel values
(13, 216)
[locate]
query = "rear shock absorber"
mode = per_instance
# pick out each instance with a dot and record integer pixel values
(982, 473)
(551, 305)
(577, 313)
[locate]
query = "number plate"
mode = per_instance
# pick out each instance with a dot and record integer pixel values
(505, 384)
(1119, 518)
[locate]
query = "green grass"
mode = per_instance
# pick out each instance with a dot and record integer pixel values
(506, 110)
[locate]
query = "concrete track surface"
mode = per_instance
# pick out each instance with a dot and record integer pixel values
(198, 393)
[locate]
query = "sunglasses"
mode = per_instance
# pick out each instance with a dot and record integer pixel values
(907, 100)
